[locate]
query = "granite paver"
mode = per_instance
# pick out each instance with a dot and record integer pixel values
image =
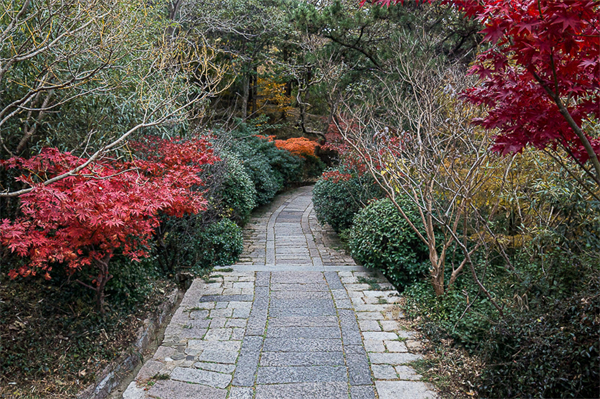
(296, 318)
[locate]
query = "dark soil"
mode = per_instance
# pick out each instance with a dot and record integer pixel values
(53, 343)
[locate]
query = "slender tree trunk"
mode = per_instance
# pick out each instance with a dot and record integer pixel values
(255, 90)
(245, 95)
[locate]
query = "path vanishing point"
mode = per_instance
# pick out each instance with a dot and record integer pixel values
(297, 318)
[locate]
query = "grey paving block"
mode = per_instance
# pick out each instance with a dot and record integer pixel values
(331, 390)
(350, 331)
(393, 358)
(363, 392)
(256, 323)
(170, 389)
(359, 371)
(299, 321)
(299, 287)
(226, 298)
(261, 292)
(220, 368)
(286, 375)
(217, 380)
(340, 294)
(274, 359)
(343, 304)
(302, 345)
(333, 279)
(247, 364)
(262, 279)
(297, 278)
(404, 389)
(355, 349)
(303, 332)
(300, 295)
(218, 356)
(240, 393)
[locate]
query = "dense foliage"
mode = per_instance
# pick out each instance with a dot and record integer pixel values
(340, 193)
(381, 239)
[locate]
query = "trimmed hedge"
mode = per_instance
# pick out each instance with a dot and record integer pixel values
(382, 239)
(336, 201)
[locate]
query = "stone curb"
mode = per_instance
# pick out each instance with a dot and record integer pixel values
(117, 371)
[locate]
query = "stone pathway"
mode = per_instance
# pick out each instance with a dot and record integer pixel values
(297, 318)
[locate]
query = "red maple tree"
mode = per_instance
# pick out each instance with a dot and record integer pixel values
(541, 74)
(82, 220)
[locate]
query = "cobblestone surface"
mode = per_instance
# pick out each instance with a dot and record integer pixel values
(297, 318)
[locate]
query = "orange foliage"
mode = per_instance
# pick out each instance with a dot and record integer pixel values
(300, 146)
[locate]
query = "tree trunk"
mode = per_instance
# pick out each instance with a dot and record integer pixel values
(245, 95)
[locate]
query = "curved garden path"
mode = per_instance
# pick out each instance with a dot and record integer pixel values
(297, 318)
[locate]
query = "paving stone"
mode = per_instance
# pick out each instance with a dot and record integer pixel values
(358, 369)
(374, 346)
(325, 321)
(248, 361)
(306, 312)
(379, 336)
(384, 372)
(340, 294)
(218, 367)
(149, 370)
(238, 334)
(170, 389)
(196, 376)
(218, 334)
(331, 390)
(302, 345)
(218, 356)
(363, 392)
(162, 352)
(220, 313)
(396, 346)
(333, 280)
(274, 359)
(240, 393)
(262, 279)
(390, 325)
(133, 392)
(407, 373)
(300, 295)
(343, 304)
(226, 298)
(285, 375)
(404, 389)
(303, 332)
(299, 287)
(369, 325)
(393, 358)
(231, 346)
(241, 313)
(350, 332)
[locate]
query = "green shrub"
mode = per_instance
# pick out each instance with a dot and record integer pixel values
(550, 352)
(236, 196)
(190, 244)
(382, 239)
(337, 200)
(131, 281)
(218, 244)
(270, 168)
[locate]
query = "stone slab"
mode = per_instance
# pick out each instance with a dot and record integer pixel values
(170, 389)
(404, 389)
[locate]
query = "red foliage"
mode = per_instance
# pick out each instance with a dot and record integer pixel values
(82, 220)
(540, 46)
(545, 52)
